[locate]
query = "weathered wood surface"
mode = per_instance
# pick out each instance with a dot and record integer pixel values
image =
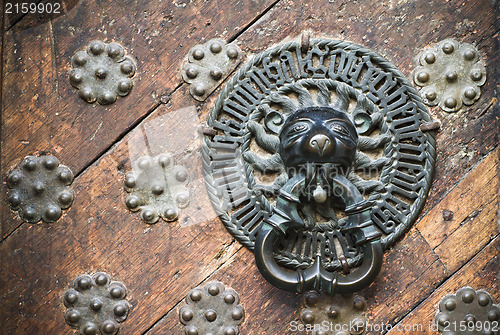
(161, 263)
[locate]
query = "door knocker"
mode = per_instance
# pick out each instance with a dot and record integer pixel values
(318, 162)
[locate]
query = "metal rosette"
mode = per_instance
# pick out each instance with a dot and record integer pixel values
(259, 94)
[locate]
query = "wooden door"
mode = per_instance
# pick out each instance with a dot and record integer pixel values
(160, 263)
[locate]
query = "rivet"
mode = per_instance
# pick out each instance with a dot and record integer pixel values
(157, 189)
(71, 297)
(216, 73)
(107, 98)
(80, 58)
(493, 315)
(65, 176)
(129, 180)
(359, 303)
(52, 213)
(211, 315)
(87, 94)
(84, 283)
(199, 89)
(198, 54)
(165, 160)
(448, 48)
(181, 175)
(76, 77)
(192, 72)
(451, 76)
(450, 102)
(72, 316)
(311, 298)
(125, 85)
(109, 327)
(483, 300)
(447, 214)
(450, 305)
(191, 330)
(216, 47)
(120, 310)
(30, 164)
(230, 331)
(468, 297)
(470, 318)
(14, 178)
(431, 95)
(15, 200)
(50, 162)
(470, 93)
(38, 187)
(333, 312)
(187, 314)
(96, 47)
(132, 202)
(237, 313)
(213, 289)
(144, 163)
(101, 279)
(171, 214)
(443, 320)
(232, 52)
(308, 317)
(29, 214)
(469, 55)
(95, 304)
(127, 68)
(430, 58)
(182, 199)
(423, 76)
(90, 329)
(476, 75)
(114, 50)
(195, 295)
(101, 73)
(229, 298)
(148, 216)
(116, 292)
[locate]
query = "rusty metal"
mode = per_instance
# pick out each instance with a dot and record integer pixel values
(450, 73)
(207, 65)
(96, 305)
(311, 173)
(428, 126)
(340, 314)
(39, 188)
(157, 188)
(212, 309)
(102, 72)
(468, 312)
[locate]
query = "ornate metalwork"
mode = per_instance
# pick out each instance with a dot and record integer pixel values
(212, 309)
(323, 151)
(468, 312)
(449, 73)
(102, 72)
(158, 188)
(207, 65)
(96, 305)
(39, 188)
(338, 314)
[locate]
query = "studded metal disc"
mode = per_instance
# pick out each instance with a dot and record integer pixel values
(157, 187)
(39, 188)
(450, 73)
(95, 305)
(333, 315)
(102, 72)
(213, 310)
(395, 161)
(468, 312)
(207, 65)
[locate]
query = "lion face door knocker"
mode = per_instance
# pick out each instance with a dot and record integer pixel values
(318, 163)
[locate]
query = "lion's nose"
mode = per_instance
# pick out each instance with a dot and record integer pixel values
(320, 143)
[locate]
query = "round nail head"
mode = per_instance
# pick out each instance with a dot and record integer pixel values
(216, 47)
(198, 54)
(470, 93)
(450, 102)
(448, 48)
(423, 77)
(430, 58)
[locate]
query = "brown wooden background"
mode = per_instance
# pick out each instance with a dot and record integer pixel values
(41, 112)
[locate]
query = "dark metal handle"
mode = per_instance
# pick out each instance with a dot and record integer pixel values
(316, 277)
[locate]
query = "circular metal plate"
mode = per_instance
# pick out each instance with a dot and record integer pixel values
(394, 162)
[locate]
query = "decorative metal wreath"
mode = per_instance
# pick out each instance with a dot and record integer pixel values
(392, 167)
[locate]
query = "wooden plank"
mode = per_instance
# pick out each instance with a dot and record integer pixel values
(482, 272)
(42, 112)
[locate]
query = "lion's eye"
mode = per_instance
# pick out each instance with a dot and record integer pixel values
(299, 127)
(339, 129)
